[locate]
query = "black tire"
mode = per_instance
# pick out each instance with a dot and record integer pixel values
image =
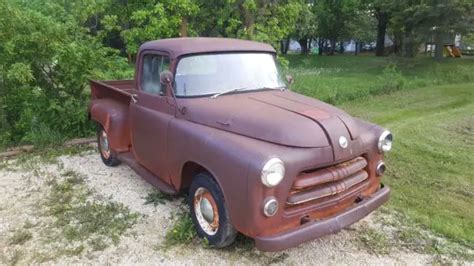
(110, 159)
(225, 233)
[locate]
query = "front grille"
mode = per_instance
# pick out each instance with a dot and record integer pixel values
(327, 183)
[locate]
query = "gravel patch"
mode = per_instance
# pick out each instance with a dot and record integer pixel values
(23, 190)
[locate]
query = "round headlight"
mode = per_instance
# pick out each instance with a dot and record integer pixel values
(385, 141)
(273, 172)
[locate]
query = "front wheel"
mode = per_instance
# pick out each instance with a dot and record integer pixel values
(208, 212)
(106, 154)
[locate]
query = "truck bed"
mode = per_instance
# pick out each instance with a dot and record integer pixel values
(117, 89)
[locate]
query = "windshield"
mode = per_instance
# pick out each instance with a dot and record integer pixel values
(217, 73)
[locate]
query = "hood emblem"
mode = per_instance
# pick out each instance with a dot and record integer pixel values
(343, 142)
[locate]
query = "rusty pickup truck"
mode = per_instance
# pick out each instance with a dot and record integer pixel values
(212, 117)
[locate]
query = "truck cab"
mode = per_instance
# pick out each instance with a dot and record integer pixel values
(213, 118)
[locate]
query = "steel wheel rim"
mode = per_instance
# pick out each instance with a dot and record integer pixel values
(104, 144)
(206, 211)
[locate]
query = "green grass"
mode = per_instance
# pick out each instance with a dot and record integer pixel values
(431, 167)
(339, 79)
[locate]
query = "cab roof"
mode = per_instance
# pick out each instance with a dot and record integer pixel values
(182, 46)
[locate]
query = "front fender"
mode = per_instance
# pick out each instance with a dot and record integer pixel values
(225, 155)
(236, 162)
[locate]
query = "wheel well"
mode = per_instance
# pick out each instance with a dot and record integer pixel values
(190, 169)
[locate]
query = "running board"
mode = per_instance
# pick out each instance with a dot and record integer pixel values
(129, 159)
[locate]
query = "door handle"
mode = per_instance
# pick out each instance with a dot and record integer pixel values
(134, 98)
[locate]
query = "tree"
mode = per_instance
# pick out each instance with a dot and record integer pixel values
(362, 28)
(306, 26)
(268, 21)
(332, 17)
(138, 22)
(381, 10)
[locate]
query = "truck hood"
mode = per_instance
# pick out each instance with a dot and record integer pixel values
(281, 117)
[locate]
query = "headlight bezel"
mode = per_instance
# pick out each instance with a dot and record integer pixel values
(382, 142)
(272, 167)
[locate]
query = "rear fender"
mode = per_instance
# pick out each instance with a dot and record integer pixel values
(113, 116)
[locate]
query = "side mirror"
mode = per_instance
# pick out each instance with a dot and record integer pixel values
(289, 79)
(166, 77)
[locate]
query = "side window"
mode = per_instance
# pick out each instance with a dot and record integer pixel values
(153, 65)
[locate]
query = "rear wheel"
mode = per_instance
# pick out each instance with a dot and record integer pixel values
(208, 212)
(106, 154)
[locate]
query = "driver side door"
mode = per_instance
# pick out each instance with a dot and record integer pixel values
(150, 113)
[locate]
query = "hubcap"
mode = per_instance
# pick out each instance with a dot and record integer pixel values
(206, 211)
(104, 144)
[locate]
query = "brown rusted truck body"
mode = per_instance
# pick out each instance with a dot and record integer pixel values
(333, 163)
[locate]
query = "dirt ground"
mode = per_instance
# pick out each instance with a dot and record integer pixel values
(24, 189)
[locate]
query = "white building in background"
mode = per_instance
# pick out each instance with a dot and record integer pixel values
(349, 47)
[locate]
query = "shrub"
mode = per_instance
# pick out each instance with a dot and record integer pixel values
(47, 59)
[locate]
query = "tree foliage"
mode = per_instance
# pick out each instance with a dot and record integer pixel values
(46, 61)
(50, 48)
(140, 21)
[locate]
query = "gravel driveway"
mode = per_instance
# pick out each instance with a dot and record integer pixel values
(30, 234)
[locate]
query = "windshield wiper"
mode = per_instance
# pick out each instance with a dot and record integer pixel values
(282, 88)
(226, 92)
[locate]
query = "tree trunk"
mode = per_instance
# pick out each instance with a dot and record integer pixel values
(183, 30)
(304, 45)
(341, 47)
(409, 44)
(249, 20)
(321, 46)
(284, 46)
(438, 40)
(356, 51)
(333, 47)
(382, 20)
(397, 42)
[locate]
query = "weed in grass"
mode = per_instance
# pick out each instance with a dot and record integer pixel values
(76, 251)
(98, 243)
(80, 218)
(375, 242)
(73, 177)
(391, 80)
(156, 197)
(20, 237)
(182, 232)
